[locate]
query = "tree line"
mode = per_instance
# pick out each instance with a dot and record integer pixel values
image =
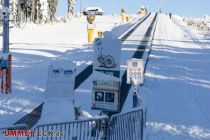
(37, 11)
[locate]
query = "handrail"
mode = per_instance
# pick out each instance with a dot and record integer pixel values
(76, 121)
(131, 29)
(132, 111)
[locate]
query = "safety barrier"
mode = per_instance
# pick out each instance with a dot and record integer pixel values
(91, 129)
(126, 126)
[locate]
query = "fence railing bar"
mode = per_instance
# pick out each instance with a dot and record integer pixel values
(121, 114)
(76, 121)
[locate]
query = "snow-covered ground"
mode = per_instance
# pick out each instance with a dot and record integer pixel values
(177, 85)
(199, 26)
(33, 48)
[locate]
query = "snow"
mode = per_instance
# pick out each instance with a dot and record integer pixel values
(199, 26)
(177, 85)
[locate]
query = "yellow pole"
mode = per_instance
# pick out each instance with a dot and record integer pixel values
(127, 18)
(90, 31)
(123, 17)
(100, 34)
(80, 14)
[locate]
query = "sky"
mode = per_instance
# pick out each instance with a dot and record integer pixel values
(188, 8)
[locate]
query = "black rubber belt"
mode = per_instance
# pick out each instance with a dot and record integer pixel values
(125, 88)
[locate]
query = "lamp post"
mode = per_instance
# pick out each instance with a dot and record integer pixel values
(5, 48)
(160, 6)
(80, 7)
(6, 58)
(113, 7)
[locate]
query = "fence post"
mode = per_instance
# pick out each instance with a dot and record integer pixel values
(105, 127)
(142, 125)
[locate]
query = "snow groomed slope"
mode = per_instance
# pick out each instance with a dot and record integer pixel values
(177, 84)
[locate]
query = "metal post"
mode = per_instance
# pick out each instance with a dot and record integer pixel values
(136, 99)
(105, 127)
(160, 6)
(135, 90)
(80, 7)
(6, 58)
(5, 48)
(113, 7)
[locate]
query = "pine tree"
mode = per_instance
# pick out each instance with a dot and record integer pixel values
(71, 4)
(37, 11)
(34, 10)
(52, 9)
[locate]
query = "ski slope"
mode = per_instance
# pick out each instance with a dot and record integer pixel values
(177, 84)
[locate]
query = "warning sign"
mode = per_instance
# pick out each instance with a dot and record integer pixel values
(135, 71)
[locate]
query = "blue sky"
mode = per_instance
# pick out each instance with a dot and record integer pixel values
(190, 8)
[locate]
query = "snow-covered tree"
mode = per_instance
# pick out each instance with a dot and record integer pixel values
(14, 9)
(44, 10)
(52, 9)
(71, 5)
(37, 11)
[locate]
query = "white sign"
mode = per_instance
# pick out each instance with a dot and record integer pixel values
(60, 90)
(107, 56)
(106, 96)
(105, 101)
(106, 74)
(61, 80)
(135, 71)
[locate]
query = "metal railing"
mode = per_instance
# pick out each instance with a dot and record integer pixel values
(91, 129)
(128, 126)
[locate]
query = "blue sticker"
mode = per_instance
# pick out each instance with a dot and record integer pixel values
(68, 72)
(4, 63)
(56, 71)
